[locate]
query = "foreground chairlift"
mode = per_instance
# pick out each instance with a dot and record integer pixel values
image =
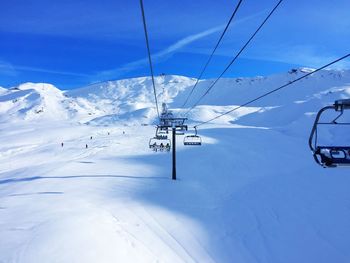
(193, 139)
(160, 142)
(330, 155)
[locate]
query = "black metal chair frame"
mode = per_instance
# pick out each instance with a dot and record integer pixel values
(330, 155)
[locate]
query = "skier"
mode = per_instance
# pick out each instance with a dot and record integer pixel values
(62, 144)
(86, 146)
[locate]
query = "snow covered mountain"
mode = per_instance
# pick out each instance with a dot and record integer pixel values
(78, 182)
(32, 101)
(133, 99)
(38, 101)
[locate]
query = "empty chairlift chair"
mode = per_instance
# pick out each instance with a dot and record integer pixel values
(193, 139)
(332, 154)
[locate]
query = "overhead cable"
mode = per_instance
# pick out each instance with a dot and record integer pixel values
(149, 56)
(212, 53)
(273, 91)
(234, 59)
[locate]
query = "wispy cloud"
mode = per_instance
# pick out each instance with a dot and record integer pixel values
(57, 72)
(303, 55)
(172, 49)
(157, 56)
(13, 70)
(187, 40)
(7, 69)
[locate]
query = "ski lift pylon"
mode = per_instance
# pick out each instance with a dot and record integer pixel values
(330, 155)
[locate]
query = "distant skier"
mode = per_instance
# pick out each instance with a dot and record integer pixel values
(86, 146)
(123, 132)
(62, 144)
(108, 133)
(91, 138)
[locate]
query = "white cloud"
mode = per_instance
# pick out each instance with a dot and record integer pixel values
(303, 55)
(13, 70)
(115, 73)
(7, 69)
(56, 72)
(157, 56)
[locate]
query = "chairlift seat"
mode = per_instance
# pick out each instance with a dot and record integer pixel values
(192, 140)
(192, 143)
(332, 156)
(161, 137)
(160, 142)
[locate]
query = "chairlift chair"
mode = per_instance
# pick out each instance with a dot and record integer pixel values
(160, 142)
(330, 155)
(193, 139)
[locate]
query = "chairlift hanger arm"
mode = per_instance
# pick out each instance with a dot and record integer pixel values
(340, 114)
(314, 127)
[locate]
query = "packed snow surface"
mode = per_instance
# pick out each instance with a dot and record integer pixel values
(250, 193)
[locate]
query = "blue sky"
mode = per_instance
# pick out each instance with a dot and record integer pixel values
(73, 43)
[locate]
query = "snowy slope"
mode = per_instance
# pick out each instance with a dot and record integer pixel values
(251, 193)
(29, 100)
(2, 90)
(125, 96)
(36, 101)
(235, 91)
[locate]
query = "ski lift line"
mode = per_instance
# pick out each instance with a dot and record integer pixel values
(149, 55)
(274, 90)
(235, 58)
(338, 123)
(212, 54)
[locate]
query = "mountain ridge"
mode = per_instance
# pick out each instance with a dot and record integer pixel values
(123, 100)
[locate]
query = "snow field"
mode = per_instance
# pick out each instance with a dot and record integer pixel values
(251, 193)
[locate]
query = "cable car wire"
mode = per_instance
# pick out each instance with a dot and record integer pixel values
(274, 90)
(234, 59)
(149, 55)
(212, 53)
